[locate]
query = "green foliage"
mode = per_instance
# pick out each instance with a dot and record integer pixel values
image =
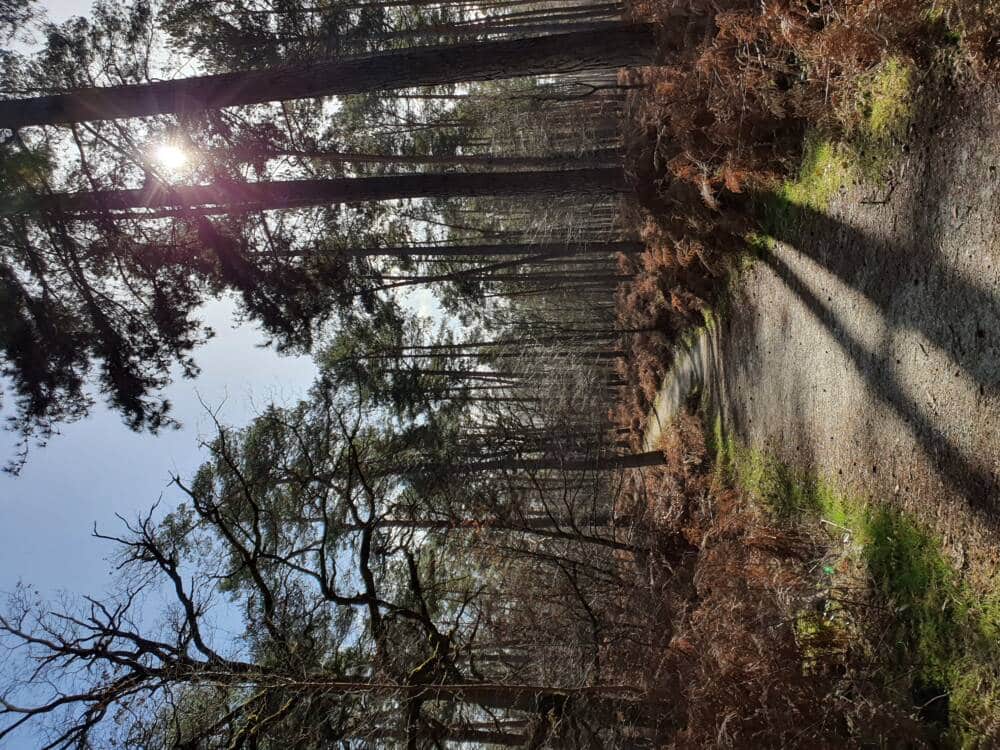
(107, 48)
(23, 169)
(878, 119)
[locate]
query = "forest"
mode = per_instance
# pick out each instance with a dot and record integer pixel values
(657, 371)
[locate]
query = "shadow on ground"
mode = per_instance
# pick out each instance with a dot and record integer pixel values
(866, 342)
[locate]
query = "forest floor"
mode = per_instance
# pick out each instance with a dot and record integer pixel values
(864, 343)
(853, 378)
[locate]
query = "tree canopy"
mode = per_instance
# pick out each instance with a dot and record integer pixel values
(409, 554)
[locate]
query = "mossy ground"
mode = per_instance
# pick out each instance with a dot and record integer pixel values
(944, 636)
(874, 128)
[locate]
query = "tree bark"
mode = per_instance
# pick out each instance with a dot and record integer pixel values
(463, 251)
(420, 66)
(223, 197)
(565, 161)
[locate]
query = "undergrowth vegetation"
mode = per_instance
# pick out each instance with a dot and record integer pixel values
(863, 152)
(930, 639)
(810, 618)
(747, 94)
(756, 654)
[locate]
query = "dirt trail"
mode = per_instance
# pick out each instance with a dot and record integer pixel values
(870, 350)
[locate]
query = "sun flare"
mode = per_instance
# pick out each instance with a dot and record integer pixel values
(170, 156)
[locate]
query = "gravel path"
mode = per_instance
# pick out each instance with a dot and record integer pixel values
(870, 350)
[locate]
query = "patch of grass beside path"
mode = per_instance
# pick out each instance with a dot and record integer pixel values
(944, 638)
(875, 125)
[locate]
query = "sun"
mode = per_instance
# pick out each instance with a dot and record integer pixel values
(170, 156)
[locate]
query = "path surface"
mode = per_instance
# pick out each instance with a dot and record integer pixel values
(870, 350)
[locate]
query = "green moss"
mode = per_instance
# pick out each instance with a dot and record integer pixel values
(768, 481)
(876, 124)
(722, 302)
(886, 100)
(883, 109)
(711, 323)
(826, 168)
(906, 565)
(759, 243)
(944, 635)
(689, 337)
(719, 444)
(944, 629)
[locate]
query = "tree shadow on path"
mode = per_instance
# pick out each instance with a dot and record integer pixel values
(909, 283)
(976, 483)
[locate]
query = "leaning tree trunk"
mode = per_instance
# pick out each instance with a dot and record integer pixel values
(529, 248)
(597, 157)
(419, 66)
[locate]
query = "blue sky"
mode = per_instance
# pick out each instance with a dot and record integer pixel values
(98, 467)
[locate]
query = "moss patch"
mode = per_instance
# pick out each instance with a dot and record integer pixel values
(875, 126)
(826, 168)
(883, 109)
(944, 654)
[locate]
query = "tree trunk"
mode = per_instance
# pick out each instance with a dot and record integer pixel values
(461, 735)
(602, 463)
(420, 66)
(463, 251)
(219, 197)
(563, 161)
